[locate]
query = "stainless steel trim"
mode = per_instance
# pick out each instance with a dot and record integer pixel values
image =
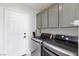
(50, 53)
(58, 50)
(37, 40)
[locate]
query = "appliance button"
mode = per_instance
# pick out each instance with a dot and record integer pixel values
(62, 36)
(67, 38)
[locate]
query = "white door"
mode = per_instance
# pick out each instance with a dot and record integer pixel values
(1, 32)
(15, 27)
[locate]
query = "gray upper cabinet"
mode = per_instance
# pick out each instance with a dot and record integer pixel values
(77, 11)
(58, 15)
(44, 19)
(38, 20)
(53, 16)
(67, 14)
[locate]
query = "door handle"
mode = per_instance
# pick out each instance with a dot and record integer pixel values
(24, 33)
(24, 36)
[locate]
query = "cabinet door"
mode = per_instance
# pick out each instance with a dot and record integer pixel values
(60, 15)
(44, 19)
(39, 20)
(53, 16)
(77, 11)
(69, 14)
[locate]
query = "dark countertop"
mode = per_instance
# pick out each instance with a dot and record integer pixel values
(73, 51)
(61, 46)
(37, 39)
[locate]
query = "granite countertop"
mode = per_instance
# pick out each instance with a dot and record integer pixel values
(37, 39)
(63, 48)
(68, 49)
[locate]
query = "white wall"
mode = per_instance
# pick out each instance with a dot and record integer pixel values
(65, 31)
(30, 12)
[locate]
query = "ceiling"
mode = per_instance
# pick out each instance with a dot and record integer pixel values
(38, 6)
